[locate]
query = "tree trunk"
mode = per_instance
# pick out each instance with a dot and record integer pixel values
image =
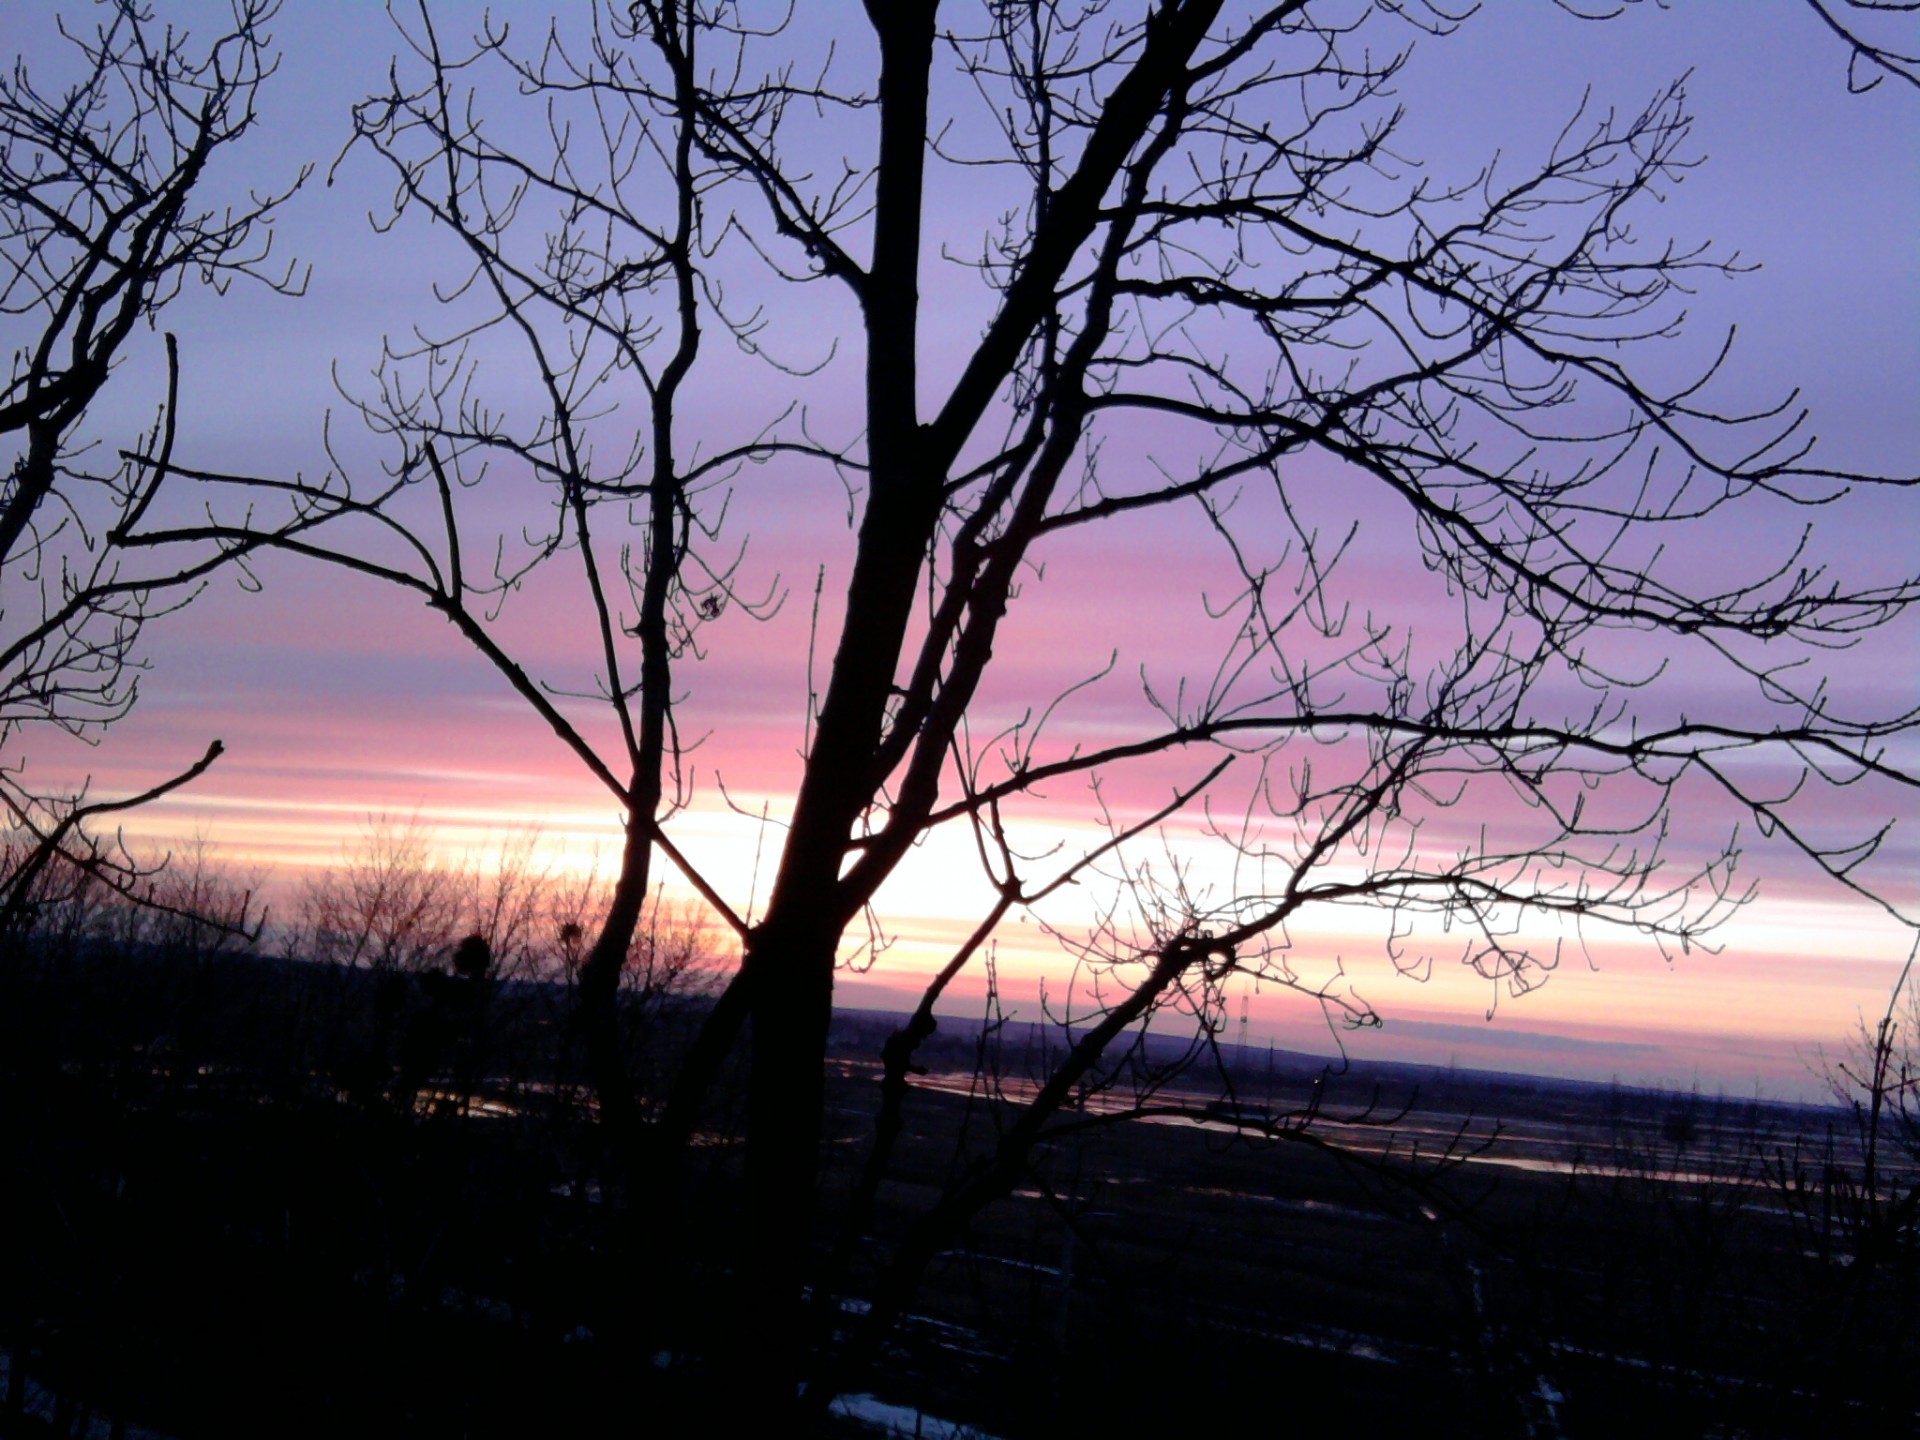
(790, 958)
(600, 992)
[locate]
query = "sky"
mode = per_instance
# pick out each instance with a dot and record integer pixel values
(338, 700)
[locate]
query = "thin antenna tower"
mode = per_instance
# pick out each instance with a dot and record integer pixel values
(1243, 1027)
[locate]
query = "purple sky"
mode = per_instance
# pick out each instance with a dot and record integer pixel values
(338, 700)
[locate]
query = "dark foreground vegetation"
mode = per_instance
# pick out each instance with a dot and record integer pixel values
(257, 1195)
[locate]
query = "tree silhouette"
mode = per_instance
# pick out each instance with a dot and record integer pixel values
(1214, 305)
(103, 220)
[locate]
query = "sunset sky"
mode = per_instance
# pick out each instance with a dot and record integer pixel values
(338, 700)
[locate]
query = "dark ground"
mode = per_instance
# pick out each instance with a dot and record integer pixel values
(259, 1198)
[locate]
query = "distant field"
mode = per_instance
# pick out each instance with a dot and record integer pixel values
(1471, 1254)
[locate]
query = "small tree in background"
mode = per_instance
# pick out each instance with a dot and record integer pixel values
(1854, 1203)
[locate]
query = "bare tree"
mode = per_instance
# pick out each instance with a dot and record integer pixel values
(1876, 48)
(386, 905)
(1216, 300)
(104, 218)
(1857, 1202)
